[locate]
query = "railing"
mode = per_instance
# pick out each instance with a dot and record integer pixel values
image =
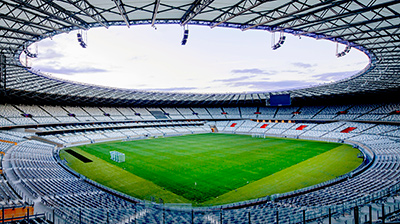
(242, 212)
(368, 209)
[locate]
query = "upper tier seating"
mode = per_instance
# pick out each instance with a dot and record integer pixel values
(249, 112)
(187, 113)
(202, 113)
(285, 113)
(12, 115)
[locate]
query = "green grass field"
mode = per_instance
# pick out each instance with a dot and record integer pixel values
(213, 168)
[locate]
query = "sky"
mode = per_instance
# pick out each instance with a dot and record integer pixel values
(219, 60)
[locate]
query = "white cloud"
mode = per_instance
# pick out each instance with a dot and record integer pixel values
(214, 60)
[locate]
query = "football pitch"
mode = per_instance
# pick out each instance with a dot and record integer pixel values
(207, 169)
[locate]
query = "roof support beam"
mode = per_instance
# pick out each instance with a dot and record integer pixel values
(68, 13)
(330, 18)
(370, 31)
(89, 10)
(54, 23)
(229, 12)
(373, 37)
(390, 54)
(9, 48)
(14, 38)
(380, 42)
(328, 4)
(122, 11)
(239, 6)
(358, 25)
(155, 11)
(195, 9)
(54, 11)
(385, 43)
(9, 44)
(23, 22)
(393, 47)
(19, 31)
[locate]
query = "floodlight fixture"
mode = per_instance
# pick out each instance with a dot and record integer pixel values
(280, 42)
(344, 52)
(185, 35)
(347, 49)
(82, 39)
(30, 54)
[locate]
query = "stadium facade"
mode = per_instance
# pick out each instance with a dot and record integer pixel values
(54, 113)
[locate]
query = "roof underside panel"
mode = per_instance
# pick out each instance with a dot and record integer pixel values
(369, 25)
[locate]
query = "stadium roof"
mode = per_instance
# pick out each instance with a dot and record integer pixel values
(368, 25)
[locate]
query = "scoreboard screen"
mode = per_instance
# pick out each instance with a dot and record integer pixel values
(279, 100)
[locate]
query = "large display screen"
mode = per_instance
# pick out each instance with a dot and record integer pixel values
(279, 100)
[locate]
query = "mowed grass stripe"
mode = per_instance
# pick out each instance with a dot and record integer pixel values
(119, 179)
(218, 163)
(318, 169)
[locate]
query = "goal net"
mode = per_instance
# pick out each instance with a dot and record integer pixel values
(117, 156)
(258, 135)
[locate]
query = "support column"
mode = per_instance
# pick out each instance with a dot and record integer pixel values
(383, 214)
(370, 214)
(3, 73)
(356, 216)
(330, 216)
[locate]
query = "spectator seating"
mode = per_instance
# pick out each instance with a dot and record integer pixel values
(34, 170)
(187, 113)
(217, 113)
(34, 166)
(286, 113)
(232, 112)
(202, 113)
(14, 115)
